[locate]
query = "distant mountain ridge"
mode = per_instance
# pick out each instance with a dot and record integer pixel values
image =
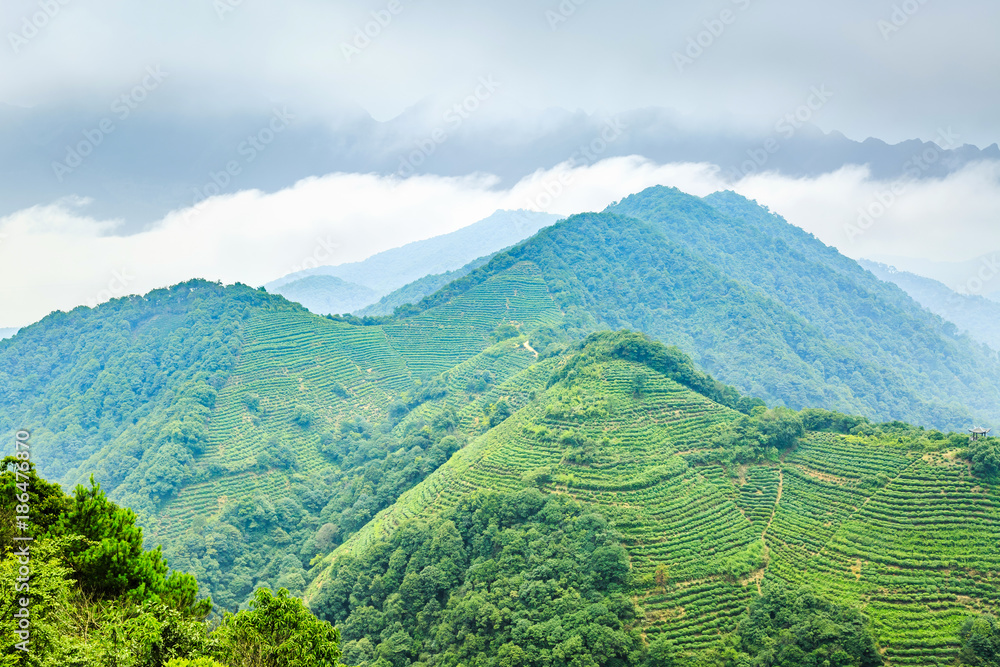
(975, 315)
(979, 276)
(360, 284)
(7, 333)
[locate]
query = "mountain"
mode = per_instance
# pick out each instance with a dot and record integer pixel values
(389, 270)
(252, 436)
(7, 333)
(418, 289)
(328, 294)
(974, 315)
(979, 276)
(760, 304)
(712, 508)
(236, 423)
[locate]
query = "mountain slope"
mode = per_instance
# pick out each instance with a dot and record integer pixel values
(974, 315)
(845, 514)
(229, 415)
(873, 321)
(760, 304)
(392, 269)
(413, 292)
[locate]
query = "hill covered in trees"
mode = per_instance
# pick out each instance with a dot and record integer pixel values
(267, 447)
(782, 537)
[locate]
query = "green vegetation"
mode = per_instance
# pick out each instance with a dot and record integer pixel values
(795, 628)
(268, 448)
(715, 507)
(501, 579)
(756, 302)
(95, 597)
(980, 641)
(984, 454)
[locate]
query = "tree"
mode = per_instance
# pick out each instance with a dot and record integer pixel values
(790, 627)
(984, 455)
(980, 641)
(277, 631)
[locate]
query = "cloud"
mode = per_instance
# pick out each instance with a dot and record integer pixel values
(54, 257)
(604, 55)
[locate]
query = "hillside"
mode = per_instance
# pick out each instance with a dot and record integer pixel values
(361, 284)
(217, 412)
(251, 435)
(417, 290)
(974, 315)
(714, 508)
(761, 305)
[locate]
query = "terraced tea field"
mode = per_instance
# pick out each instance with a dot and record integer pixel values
(911, 538)
(299, 374)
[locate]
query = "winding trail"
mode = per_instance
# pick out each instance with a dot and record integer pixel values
(763, 535)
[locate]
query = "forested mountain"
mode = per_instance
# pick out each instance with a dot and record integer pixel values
(350, 287)
(254, 439)
(803, 518)
(975, 315)
(761, 305)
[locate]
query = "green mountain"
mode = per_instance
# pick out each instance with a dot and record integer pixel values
(237, 424)
(974, 315)
(758, 303)
(266, 446)
(713, 509)
(363, 283)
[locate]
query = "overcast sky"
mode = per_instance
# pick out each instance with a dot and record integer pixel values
(900, 70)
(898, 79)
